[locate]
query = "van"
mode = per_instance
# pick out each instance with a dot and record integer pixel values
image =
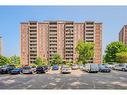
(91, 67)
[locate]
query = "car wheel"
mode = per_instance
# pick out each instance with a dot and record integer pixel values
(123, 69)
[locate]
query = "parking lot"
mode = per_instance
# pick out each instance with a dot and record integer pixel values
(76, 80)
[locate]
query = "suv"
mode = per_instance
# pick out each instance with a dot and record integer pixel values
(6, 69)
(121, 67)
(103, 68)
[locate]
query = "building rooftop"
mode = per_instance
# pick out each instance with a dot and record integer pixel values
(59, 21)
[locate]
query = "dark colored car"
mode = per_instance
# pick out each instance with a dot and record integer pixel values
(6, 69)
(0, 70)
(104, 68)
(16, 71)
(46, 68)
(40, 69)
(55, 67)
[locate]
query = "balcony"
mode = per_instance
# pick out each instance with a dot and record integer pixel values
(89, 36)
(89, 40)
(33, 37)
(52, 29)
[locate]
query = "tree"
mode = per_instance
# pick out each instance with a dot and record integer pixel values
(56, 59)
(112, 49)
(104, 59)
(40, 62)
(69, 62)
(85, 51)
(14, 60)
(3, 60)
(121, 57)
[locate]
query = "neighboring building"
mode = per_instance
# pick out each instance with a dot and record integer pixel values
(123, 34)
(0, 45)
(44, 39)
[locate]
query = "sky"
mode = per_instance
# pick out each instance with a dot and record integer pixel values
(112, 17)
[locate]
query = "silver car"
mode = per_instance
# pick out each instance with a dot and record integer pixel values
(81, 66)
(75, 67)
(27, 70)
(121, 67)
(65, 70)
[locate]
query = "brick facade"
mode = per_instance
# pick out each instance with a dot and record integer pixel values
(44, 39)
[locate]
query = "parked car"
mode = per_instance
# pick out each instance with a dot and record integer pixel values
(113, 66)
(74, 67)
(65, 70)
(109, 65)
(81, 66)
(46, 68)
(103, 68)
(62, 66)
(91, 67)
(16, 71)
(40, 69)
(27, 70)
(55, 67)
(1, 70)
(49, 67)
(6, 69)
(121, 67)
(33, 69)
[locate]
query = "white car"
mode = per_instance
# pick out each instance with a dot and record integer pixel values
(122, 67)
(65, 70)
(81, 66)
(75, 67)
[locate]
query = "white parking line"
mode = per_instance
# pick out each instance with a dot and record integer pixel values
(93, 84)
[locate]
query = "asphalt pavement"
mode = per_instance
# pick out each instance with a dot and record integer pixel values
(55, 80)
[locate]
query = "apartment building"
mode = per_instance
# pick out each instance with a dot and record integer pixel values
(123, 34)
(0, 45)
(44, 39)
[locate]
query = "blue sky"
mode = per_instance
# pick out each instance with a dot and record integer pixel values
(113, 18)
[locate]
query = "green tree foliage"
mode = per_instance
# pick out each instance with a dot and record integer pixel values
(85, 51)
(40, 62)
(121, 57)
(104, 59)
(112, 49)
(15, 60)
(69, 62)
(3, 60)
(56, 59)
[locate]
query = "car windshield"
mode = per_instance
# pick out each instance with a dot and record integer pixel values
(27, 67)
(55, 65)
(16, 69)
(74, 65)
(65, 68)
